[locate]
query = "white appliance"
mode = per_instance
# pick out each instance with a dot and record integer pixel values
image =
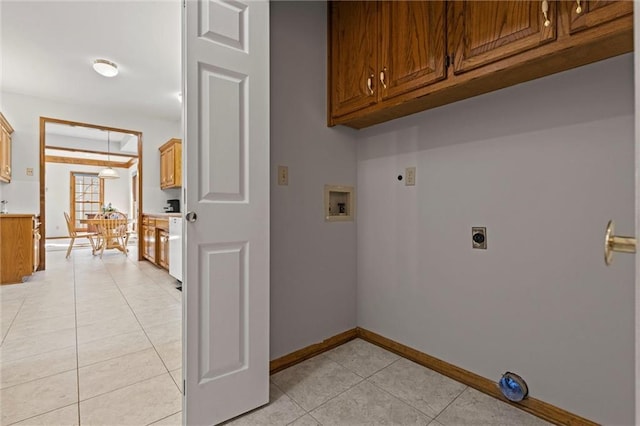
(175, 247)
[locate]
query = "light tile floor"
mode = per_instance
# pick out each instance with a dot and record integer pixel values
(92, 341)
(361, 384)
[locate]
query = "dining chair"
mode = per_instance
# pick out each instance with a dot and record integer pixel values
(73, 234)
(113, 232)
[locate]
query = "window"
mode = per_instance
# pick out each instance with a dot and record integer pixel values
(87, 197)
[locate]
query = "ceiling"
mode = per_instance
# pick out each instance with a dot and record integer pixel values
(48, 48)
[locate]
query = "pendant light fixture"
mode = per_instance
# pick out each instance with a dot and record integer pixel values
(108, 172)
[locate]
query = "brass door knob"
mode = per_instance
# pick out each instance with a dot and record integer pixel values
(616, 243)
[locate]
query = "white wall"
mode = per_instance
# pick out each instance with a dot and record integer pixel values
(313, 262)
(57, 194)
(24, 112)
(544, 166)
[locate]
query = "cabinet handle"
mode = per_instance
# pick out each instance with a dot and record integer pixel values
(579, 8)
(382, 77)
(370, 84)
(545, 11)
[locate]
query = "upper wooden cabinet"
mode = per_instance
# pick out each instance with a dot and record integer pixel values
(5, 149)
(590, 14)
(354, 30)
(171, 164)
(388, 59)
(413, 46)
(379, 50)
(487, 31)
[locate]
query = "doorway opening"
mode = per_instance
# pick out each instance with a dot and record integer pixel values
(79, 151)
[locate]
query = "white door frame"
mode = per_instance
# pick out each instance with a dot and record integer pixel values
(636, 70)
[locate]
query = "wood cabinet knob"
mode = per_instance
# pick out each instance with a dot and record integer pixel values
(382, 77)
(545, 12)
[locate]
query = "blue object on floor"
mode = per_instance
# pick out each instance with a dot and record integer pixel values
(513, 387)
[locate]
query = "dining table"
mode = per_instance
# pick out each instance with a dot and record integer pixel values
(109, 240)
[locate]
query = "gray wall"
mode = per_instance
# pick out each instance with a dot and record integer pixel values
(544, 166)
(313, 262)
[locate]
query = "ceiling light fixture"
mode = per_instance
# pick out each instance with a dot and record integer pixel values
(105, 68)
(108, 172)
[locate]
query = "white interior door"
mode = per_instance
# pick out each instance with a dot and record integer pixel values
(636, 71)
(226, 282)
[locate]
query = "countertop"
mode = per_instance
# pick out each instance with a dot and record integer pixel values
(17, 215)
(162, 215)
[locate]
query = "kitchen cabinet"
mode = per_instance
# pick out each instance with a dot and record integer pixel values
(149, 239)
(19, 247)
(591, 14)
(379, 50)
(392, 59)
(155, 239)
(163, 248)
(171, 164)
(36, 244)
(5, 149)
(487, 31)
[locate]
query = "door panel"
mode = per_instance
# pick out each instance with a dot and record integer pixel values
(487, 31)
(226, 145)
(598, 12)
(354, 55)
(413, 45)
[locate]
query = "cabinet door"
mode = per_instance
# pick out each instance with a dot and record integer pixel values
(487, 31)
(594, 13)
(151, 248)
(163, 169)
(413, 45)
(353, 55)
(170, 166)
(163, 249)
(5, 156)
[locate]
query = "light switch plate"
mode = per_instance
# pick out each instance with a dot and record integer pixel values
(410, 176)
(29, 171)
(283, 175)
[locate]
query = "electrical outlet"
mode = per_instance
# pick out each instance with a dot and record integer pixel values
(29, 171)
(479, 237)
(283, 175)
(410, 176)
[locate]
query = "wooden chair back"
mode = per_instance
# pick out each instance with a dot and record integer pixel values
(70, 227)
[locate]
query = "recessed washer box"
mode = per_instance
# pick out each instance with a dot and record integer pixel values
(339, 203)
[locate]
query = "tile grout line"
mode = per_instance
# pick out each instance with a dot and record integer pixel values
(449, 404)
(40, 378)
(145, 331)
(156, 421)
(13, 320)
(75, 311)
(123, 387)
(41, 414)
(408, 404)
